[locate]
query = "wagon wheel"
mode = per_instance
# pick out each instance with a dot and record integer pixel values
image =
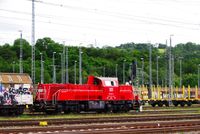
(175, 103)
(182, 104)
(19, 111)
(167, 104)
(153, 104)
(51, 112)
(160, 104)
(189, 103)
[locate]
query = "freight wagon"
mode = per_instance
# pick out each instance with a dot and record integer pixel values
(179, 96)
(15, 93)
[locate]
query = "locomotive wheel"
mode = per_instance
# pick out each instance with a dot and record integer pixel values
(99, 111)
(66, 111)
(51, 112)
(108, 108)
(115, 111)
(125, 109)
(48, 112)
(76, 109)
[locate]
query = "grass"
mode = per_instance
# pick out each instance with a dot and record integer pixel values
(102, 115)
(66, 116)
(78, 116)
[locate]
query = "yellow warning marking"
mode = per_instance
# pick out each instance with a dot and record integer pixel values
(43, 123)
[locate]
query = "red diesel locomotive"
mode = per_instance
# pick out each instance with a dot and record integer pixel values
(100, 94)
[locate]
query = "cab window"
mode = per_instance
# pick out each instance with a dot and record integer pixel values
(110, 83)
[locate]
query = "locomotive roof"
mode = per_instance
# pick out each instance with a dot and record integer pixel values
(108, 78)
(17, 78)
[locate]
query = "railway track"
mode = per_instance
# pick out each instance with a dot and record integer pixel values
(147, 107)
(146, 110)
(59, 121)
(106, 125)
(113, 128)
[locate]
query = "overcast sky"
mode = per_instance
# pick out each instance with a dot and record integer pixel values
(102, 22)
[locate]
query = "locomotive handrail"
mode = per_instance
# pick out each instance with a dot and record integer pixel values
(54, 97)
(44, 94)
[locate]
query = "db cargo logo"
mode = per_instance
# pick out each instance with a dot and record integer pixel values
(110, 89)
(111, 97)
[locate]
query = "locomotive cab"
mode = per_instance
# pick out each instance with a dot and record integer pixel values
(115, 97)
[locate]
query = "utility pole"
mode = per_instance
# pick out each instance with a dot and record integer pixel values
(75, 72)
(130, 71)
(13, 66)
(41, 69)
(124, 71)
(137, 73)
(54, 68)
(116, 68)
(54, 73)
(130, 74)
(170, 69)
(80, 66)
(180, 58)
(61, 65)
(166, 65)
(67, 70)
(173, 84)
(150, 71)
(157, 70)
(33, 43)
(21, 54)
(104, 71)
(142, 71)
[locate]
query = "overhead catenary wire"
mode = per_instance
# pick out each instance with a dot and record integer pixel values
(99, 11)
(140, 20)
(55, 19)
(115, 14)
(110, 13)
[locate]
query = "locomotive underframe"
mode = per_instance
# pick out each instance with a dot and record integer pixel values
(78, 106)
